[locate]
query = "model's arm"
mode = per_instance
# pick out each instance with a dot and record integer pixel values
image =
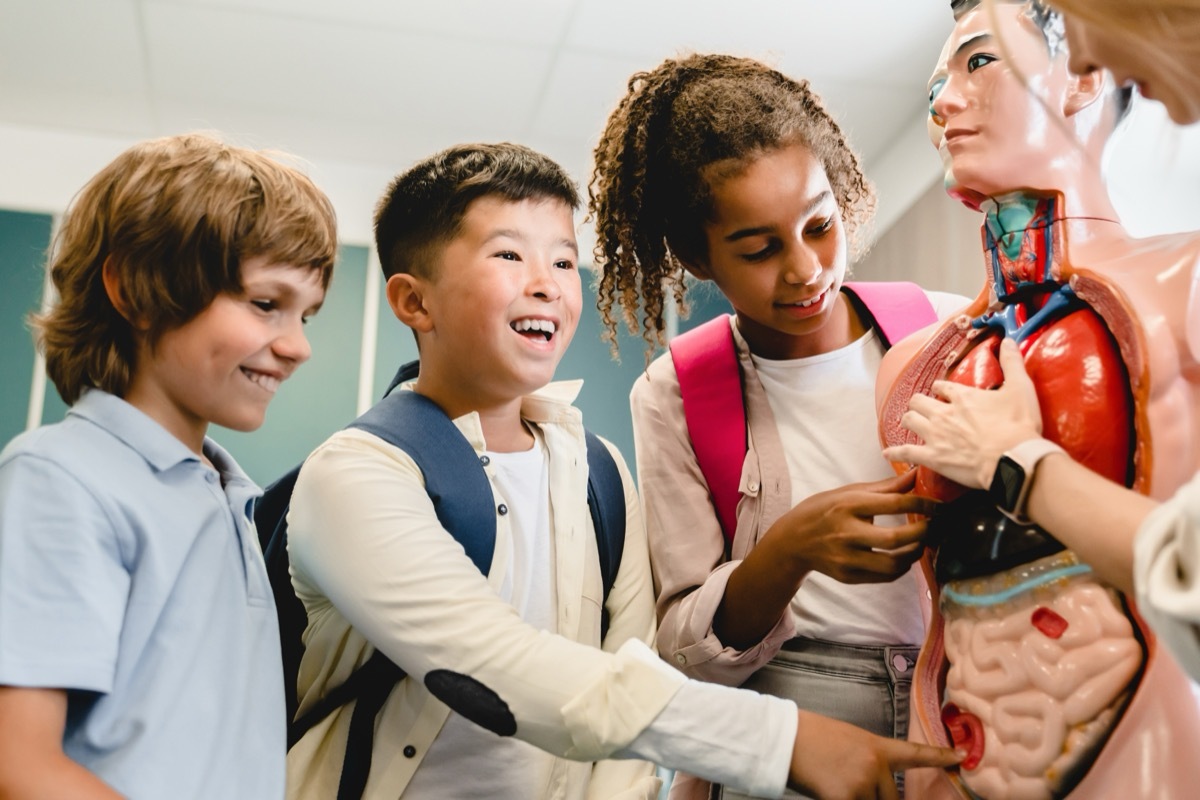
(965, 435)
(32, 762)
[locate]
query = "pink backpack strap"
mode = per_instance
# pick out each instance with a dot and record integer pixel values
(897, 308)
(710, 381)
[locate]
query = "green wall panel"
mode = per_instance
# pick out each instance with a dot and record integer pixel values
(24, 240)
(321, 396)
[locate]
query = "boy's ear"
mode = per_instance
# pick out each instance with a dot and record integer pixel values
(406, 296)
(1085, 90)
(116, 294)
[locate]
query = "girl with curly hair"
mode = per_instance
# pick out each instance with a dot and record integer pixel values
(727, 170)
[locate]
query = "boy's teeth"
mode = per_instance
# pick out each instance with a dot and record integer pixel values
(265, 381)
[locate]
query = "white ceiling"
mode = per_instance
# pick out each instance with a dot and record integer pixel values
(382, 83)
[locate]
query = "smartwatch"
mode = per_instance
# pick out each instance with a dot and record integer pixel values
(1013, 477)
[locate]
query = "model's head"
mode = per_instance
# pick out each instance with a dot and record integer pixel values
(423, 208)
(171, 221)
(1006, 114)
(1154, 44)
(682, 129)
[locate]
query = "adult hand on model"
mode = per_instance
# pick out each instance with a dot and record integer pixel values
(967, 431)
(834, 760)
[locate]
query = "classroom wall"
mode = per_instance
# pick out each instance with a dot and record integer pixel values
(357, 346)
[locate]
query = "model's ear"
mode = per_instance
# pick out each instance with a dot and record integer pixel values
(1084, 90)
(116, 294)
(406, 296)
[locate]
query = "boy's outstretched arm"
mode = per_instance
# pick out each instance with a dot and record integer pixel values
(32, 762)
(834, 760)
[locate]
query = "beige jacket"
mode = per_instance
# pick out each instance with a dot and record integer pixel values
(375, 569)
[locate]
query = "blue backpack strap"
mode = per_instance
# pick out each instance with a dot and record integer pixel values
(606, 503)
(461, 495)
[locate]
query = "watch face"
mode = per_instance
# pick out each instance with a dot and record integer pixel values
(1007, 483)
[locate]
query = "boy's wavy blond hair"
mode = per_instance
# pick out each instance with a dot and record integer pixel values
(176, 218)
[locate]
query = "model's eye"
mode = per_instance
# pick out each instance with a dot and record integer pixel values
(979, 60)
(935, 89)
(263, 305)
(508, 255)
(564, 263)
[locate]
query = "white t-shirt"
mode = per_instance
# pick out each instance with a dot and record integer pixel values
(824, 408)
(466, 760)
(744, 739)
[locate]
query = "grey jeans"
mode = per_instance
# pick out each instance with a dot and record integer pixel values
(865, 685)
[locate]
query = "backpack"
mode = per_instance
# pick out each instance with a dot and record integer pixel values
(463, 501)
(710, 382)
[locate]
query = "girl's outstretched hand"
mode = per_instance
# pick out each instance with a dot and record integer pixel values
(834, 760)
(966, 434)
(834, 532)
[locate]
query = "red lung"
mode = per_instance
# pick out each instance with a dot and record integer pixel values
(1082, 388)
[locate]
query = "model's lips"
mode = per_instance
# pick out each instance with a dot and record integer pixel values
(265, 380)
(957, 133)
(535, 326)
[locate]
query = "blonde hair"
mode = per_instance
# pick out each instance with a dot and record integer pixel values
(1166, 32)
(175, 218)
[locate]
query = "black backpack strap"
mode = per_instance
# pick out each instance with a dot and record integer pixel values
(606, 502)
(270, 518)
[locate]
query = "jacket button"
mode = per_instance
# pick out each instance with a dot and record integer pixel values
(752, 486)
(681, 658)
(503, 509)
(485, 460)
(409, 751)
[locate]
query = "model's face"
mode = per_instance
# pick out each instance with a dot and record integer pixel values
(777, 251)
(997, 112)
(224, 365)
(1092, 46)
(504, 300)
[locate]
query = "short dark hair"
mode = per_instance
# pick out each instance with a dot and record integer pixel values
(176, 218)
(423, 208)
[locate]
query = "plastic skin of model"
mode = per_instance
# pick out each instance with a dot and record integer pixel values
(1040, 671)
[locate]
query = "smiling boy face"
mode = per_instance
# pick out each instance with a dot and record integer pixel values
(503, 301)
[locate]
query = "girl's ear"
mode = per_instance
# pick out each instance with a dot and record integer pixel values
(406, 296)
(116, 295)
(1084, 90)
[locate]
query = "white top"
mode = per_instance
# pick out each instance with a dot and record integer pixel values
(824, 406)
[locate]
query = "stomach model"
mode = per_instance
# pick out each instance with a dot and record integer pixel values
(1042, 656)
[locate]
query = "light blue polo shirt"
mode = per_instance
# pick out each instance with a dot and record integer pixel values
(130, 574)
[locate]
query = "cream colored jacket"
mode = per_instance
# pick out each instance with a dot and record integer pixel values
(374, 568)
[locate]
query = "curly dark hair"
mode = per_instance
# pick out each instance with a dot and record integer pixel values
(649, 195)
